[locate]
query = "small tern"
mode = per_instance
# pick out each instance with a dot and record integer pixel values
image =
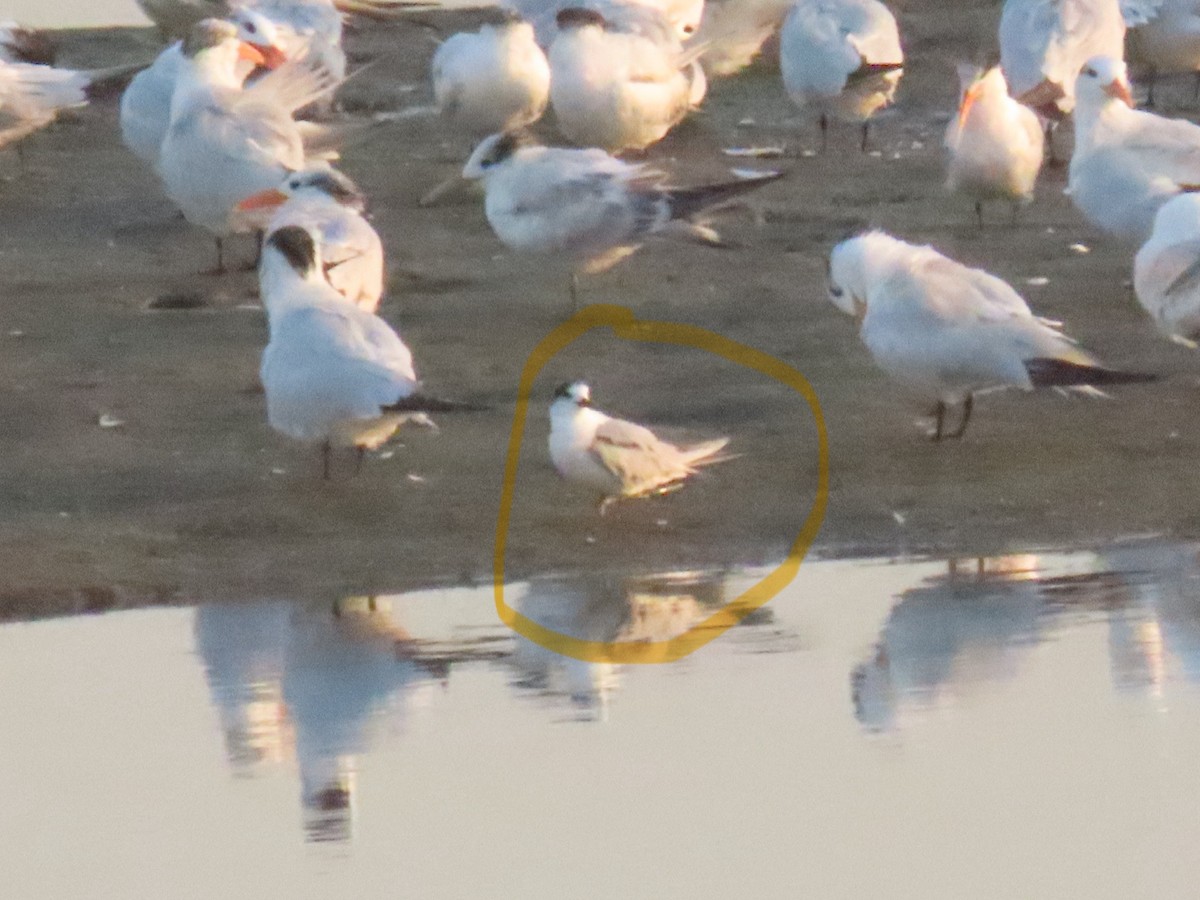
(1127, 162)
(841, 58)
(333, 374)
(329, 205)
(658, 18)
(226, 142)
(585, 206)
(1166, 270)
(619, 459)
(619, 90)
(1164, 37)
(994, 143)
(948, 331)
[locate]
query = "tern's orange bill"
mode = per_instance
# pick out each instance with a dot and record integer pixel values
(272, 56)
(1119, 88)
(263, 199)
(251, 53)
(968, 101)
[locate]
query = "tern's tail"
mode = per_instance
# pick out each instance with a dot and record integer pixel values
(688, 202)
(419, 403)
(706, 454)
(1045, 372)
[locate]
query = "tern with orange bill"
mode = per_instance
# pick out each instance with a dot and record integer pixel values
(226, 142)
(331, 207)
(994, 143)
(1127, 162)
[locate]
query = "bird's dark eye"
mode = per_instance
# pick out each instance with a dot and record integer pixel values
(251, 28)
(1090, 72)
(835, 291)
(689, 29)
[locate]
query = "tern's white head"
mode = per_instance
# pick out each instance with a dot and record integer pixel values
(214, 46)
(1102, 80)
(571, 394)
(493, 151)
(261, 33)
(317, 182)
(852, 267)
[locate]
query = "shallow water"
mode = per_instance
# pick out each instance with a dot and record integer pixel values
(1022, 726)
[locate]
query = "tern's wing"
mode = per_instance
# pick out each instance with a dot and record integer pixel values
(637, 457)
(958, 293)
(1162, 146)
(292, 86)
(239, 138)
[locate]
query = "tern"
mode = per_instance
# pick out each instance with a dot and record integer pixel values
(1127, 162)
(1166, 270)
(225, 143)
(842, 58)
(330, 205)
(146, 103)
(948, 331)
(1164, 37)
(619, 459)
(493, 79)
(619, 90)
(679, 18)
(585, 206)
(333, 374)
(994, 143)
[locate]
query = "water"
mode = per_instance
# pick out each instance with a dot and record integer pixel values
(1023, 726)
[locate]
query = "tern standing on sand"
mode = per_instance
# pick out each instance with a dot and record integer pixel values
(584, 206)
(224, 142)
(1166, 271)
(994, 143)
(841, 58)
(619, 459)
(948, 331)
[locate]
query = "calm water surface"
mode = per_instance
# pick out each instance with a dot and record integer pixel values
(1025, 726)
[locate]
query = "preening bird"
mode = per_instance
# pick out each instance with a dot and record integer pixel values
(333, 374)
(330, 206)
(1127, 163)
(585, 207)
(225, 142)
(948, 331)
(994, 143)
(841, 59)
(619, 459)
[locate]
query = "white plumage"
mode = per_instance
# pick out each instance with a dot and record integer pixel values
(994, 143)
(1166, 270)
(841, 58)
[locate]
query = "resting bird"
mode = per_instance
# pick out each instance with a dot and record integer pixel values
(619, 459)
(330, 206)
(1164, 37)
(333, 374)
(619, 90)
(1166, 270)
(493, 79)
(587, 208)
(1127, 162)
(841, 58)
(224, 142)
(680, 18)
(994, 143)
(948, 331)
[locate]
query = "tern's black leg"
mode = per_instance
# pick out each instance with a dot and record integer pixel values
(968, 405)
(1196, 89)
(866, 131)
(220, 269)
(979, 212)
(359, 453)
(824, 131)
(326, 452)
(939, 413)
(1151, 80)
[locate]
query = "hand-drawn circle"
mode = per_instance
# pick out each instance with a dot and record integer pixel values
(627, 327)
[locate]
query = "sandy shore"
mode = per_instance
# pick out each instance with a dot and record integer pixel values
(192, 496)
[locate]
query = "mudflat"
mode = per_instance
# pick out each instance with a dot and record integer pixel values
(137, 465)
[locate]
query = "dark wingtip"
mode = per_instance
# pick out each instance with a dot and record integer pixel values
(418, 403)
(1045, 372)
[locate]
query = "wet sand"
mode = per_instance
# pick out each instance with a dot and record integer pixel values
(193, 496)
